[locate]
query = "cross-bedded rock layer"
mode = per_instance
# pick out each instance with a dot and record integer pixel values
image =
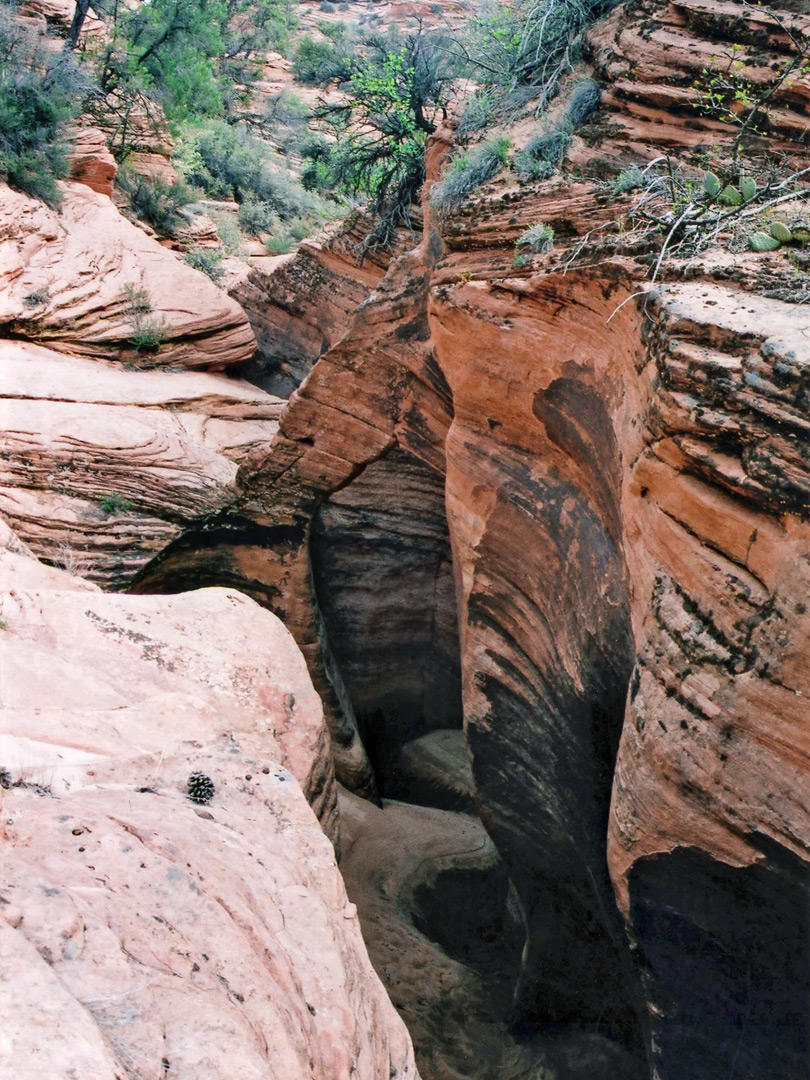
(626, 496)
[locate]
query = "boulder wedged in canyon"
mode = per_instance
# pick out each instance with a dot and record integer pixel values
(101, 466)
(85, 280)
(143, 933)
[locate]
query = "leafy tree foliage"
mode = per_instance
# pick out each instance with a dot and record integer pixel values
(397, 88)
(194, 56)
(39, 92)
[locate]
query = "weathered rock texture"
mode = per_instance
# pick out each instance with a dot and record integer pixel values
(102, 467)
(384, 580)
(303, 306)
(91, 162)
(142, 934)
(626, 493)
(87, 281)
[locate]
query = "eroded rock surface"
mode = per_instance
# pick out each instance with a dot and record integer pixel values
(85, 280)
(626, 492)
(142, 933)
(101, 467)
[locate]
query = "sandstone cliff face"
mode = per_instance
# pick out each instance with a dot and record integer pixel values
(141, 933)
(626, 492)
(102, 467)
(302, 306)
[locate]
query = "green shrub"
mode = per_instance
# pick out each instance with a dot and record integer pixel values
(154, 200)
(148, 334)
(279, 245)
(227, 162)
(39, 93)
(208, 260)
(317, 63)
(629, 180)
(539, 239)
(541, 155)
(136, 300)
(582, 104)
(256, 218)
(479, 110)
(114, 504)
(469, 171)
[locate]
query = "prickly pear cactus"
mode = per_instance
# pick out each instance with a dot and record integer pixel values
(760, 241)
(779, 231)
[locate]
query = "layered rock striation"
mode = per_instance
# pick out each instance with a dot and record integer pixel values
(625, 488)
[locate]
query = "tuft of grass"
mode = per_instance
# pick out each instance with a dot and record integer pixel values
(539, 238)
(469, 171)
(148, 334)
(630, 180)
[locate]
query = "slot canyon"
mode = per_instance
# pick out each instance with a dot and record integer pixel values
(478, 583)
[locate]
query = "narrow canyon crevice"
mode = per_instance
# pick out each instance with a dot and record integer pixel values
(382, 571)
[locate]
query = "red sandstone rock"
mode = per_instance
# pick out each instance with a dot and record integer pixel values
(85, 280)
(91, 162)
(102, 467)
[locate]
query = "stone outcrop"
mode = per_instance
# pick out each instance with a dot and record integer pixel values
(302, 306)
(91, 162)
(102, 467)
(626, 490)
(142, 933)
(85, 280)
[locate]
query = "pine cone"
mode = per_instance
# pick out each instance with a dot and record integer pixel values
(200, 788)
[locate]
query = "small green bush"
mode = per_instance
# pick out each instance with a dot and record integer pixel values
(227, 162)
(155, 201)
(541, 155)
(114, 504)
(256, 218)
(630, 180)
(148, 334)
(136, 300)
(317, 63)
(479, 110)
(208, 260)
(469, 171)
(279, 245)
(539, 239)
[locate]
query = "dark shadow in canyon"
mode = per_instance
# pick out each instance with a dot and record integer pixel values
(727, 955)
(383, 576)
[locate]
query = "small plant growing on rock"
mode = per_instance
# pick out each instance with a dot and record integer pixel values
(208, 260)
(114, 504)
(539, 238)
(36, 298)
(201, 788)
(469, 171)
(148, 334)
(136, 299)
